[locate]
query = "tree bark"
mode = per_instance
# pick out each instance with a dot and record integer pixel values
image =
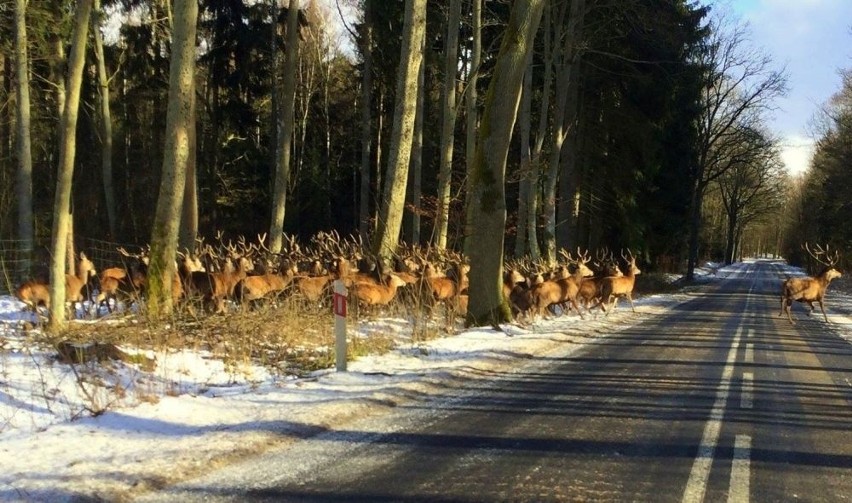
(189, 212)
(472, 96)
(286, 123)
(364, 215)
(486, 219)
(448, 122)
(561, 124)
(106, 122)
(24, 179)
(415, 180)
(405, 107)
(525, 180)
(65, 171)
(164, 235)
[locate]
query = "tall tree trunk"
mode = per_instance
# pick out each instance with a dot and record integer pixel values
(472, 97)
(405, 108)
(24, 188)
(486, 219)
(189, 212)
(448, 122)
(65, 171)
(415, 181)
(106, 121)
(164, 234)
(731, 238)
(286, 124)
(568, 207)
(566, 73)
(525, 180)
(694, 230)
(541, 134)
(364, 216)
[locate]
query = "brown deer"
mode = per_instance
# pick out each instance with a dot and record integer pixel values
(562, 291)
(810, 289)
(518, 291)
(613, 287)
(119, 283)
(36, 293)
(368, 294)
(216, 287)
(254, 288)
(590, 289)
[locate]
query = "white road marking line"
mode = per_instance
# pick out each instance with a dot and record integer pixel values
(740, 470)
(747, 391)
(749, 354)
(697, 483)
(750, 333)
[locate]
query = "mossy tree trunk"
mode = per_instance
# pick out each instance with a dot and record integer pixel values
(179, 117)
(486, 219)
(402, 134)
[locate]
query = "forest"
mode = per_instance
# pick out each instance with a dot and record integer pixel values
(524, 127)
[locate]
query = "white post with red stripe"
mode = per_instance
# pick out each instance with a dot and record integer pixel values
(338, 304)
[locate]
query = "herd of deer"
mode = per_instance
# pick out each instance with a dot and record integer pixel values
(248, 274)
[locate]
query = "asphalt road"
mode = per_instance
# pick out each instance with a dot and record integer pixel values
(717, 400)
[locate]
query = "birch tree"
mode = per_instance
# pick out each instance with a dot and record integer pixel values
(405, 106)
(486, 219)
(65, 171)
(164, 235)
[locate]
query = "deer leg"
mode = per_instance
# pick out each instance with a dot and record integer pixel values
(787, 307)
(810, 304)
(577, 308)
(630, 298)
(822, 307)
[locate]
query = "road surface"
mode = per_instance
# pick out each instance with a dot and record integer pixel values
(717, 400)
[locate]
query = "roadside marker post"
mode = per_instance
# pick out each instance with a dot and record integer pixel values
(338, 304)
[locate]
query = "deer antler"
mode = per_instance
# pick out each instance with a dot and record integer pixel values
(828, 260)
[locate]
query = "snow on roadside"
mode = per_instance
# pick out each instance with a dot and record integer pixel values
(52, 450)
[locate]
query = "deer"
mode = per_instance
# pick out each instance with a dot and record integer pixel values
(613, 287)
(562, 291)
(216, 287)
(590, 289)
(254, 288)
(810, 289)
(518, 292)
(368, 295)
(125, 283)
(35, 293)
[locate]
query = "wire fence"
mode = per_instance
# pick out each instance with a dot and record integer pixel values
(15, 268)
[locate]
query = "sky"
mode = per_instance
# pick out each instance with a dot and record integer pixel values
(192, 413)
(813, 38)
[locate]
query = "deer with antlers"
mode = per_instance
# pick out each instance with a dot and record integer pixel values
(562, 290)
(810, 289)
(613, 287)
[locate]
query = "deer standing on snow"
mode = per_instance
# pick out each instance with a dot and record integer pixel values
(613, 287)
(810, 289)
